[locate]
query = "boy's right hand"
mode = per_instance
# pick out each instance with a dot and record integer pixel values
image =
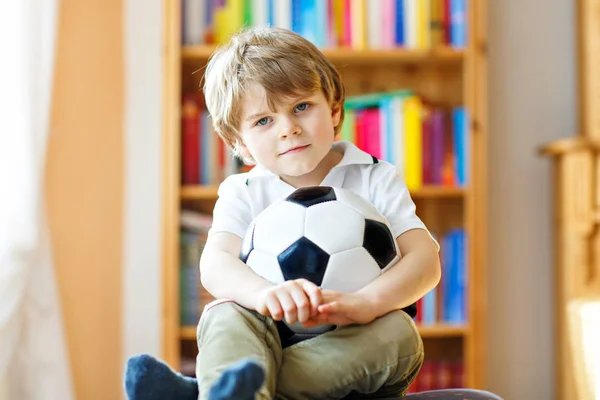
(294, 300)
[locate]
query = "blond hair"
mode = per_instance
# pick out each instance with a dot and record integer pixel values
(282, 62)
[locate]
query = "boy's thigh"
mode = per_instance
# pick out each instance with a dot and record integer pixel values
(225, 319)
(355, 359)
(228, 333)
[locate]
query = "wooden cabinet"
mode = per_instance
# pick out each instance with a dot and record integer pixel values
(444, 75)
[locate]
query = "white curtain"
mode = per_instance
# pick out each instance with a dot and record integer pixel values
(33, 355)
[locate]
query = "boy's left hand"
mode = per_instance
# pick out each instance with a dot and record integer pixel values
(340, 309)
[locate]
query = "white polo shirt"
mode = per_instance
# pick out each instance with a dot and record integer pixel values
(243, 196)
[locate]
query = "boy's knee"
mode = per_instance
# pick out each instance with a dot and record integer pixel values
(397, 330)
(227, 316)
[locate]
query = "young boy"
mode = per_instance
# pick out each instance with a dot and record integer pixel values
(278, 103)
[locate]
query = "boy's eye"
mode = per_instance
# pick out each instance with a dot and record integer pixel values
(302, 107)
(262, 121)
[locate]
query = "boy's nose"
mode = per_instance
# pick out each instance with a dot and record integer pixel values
(290, 128)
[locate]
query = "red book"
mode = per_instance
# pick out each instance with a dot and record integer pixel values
(444, 374)
(372, 131)
(449, 164)
(190, 141)
(426, 376)
(426, 149)
(446, 21)
(458, 380)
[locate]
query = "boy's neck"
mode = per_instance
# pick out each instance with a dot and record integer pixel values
(316, 177)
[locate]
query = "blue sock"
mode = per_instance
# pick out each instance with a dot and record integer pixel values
(239, 382)
(147, 378)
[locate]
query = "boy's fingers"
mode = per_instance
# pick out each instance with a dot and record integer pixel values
(302, 303)
(314, 294)
(289, 307)
(330, 308)
(274, 308)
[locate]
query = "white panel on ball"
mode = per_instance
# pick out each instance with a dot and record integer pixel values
(265, 265)
(334, 226)
(363, 206)
(350, 270)
(278, 227)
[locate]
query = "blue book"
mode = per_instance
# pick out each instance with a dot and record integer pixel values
(320, 19)
(458, 22)
(461, 276)
(430, 307)
(456, 288)
(461, 144)
(447, 275)
(271, 13)
(399, 40)
(297, 16)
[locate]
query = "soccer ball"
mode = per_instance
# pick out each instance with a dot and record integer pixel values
(329, 236)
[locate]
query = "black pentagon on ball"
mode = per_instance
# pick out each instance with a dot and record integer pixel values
(247, 246)
(311, 195)
(379, 242)
(303, 259)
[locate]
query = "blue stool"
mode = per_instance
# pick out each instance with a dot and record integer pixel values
(147, 378)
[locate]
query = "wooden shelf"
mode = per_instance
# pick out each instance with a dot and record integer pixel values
(198, 192)
(427, 332)
(351, 56)
(209, 192)
(445, 76)
(443, 331)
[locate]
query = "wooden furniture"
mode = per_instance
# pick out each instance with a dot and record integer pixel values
(584, 330)
(576, 241)
(576, 163)
(444, 75)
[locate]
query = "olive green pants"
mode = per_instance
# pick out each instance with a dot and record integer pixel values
(377, 360)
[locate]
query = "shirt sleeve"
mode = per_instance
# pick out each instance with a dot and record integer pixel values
(390, 196)
(232, 210)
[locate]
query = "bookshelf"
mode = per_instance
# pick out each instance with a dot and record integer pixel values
(448, 76)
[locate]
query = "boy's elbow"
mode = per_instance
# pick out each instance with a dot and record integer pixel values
(436, 274)
(205, 273)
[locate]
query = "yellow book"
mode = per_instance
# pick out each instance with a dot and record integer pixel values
(413, 169)
(228, 20)
(338, 21)
(423, 21)
(220, 25)
(436, 27)
(358, 16)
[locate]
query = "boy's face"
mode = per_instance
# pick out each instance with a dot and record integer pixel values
(292, 140)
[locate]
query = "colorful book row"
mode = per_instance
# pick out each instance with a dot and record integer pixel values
(357, 24)
(438, 374)
(428, 145)
(446, 303)
(205, 160)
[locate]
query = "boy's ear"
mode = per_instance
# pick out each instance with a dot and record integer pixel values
(336, 113)
(243, 150)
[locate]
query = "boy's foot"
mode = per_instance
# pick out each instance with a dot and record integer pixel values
(147, 378)
(239, 382)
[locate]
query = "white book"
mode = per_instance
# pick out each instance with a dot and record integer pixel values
(194, 22)
(259, 12)
(411, 15)
(283, 13)
(375, 24)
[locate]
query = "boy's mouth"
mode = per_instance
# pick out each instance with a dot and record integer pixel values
(296, 149)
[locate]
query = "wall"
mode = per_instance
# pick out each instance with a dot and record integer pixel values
(84, 190)
(532, 89)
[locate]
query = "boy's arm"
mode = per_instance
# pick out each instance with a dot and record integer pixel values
(417, 272)
(224, 275)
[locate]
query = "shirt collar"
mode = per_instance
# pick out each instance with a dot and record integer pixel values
(352, 155)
